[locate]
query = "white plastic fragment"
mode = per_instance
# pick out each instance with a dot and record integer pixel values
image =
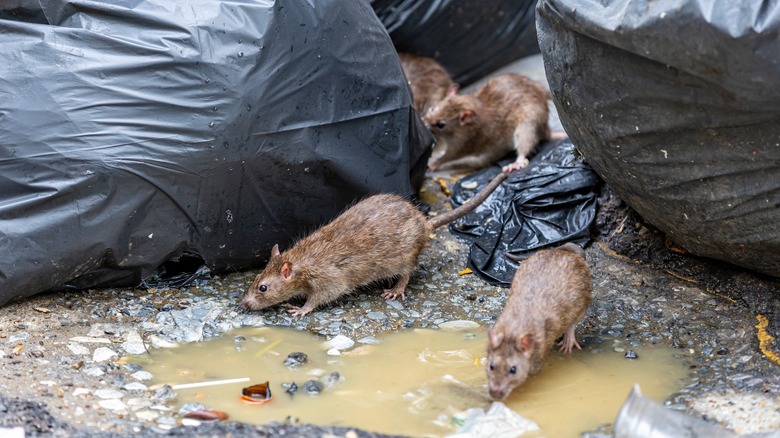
(498, 422)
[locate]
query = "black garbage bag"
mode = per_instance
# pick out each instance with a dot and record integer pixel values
(136, 132)
(676, 104)
(550, 202)
(470, 39)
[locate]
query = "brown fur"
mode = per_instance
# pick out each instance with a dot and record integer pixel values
(509, 113)
(378, 238)
(428, 81)
(550, 294)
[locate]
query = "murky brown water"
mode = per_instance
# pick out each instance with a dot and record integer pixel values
(412, 382)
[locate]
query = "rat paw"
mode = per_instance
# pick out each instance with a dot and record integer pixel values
(517, 165)
(297, 311)
(392, 295)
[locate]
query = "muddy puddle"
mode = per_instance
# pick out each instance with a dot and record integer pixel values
(410, 382)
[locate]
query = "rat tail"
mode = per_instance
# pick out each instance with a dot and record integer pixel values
(468, 206)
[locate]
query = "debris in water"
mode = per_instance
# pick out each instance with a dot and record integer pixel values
(296, 359)
(206, 415)
(208, 383)
(313, 387)
(631, 354)
(256, 394)
(333, 379)
(290, 388)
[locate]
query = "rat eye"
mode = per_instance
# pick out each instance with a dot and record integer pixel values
(491, 366)
(263, 288)
(513, 370)
(440, 124)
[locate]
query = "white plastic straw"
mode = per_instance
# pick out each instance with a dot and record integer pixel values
(211, 383)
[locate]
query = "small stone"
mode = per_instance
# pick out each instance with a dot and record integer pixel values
(18, 337)
(458, 325)
(90, 340)
(313, 387)
(142, 375)
(80, 391)
(395, 304)
(133, 343)
(94, 371)
(333, 352)
(112, 405)
(107, 393)
(723, 351)
(290, 388)
(135, 386)
(164, 394)
(103, 354)
(631, 354)
(370, 340)
(239, 339)
(79, 349)
(189, 407)
(146, 415)
(340, 342)
(158, 342)
(333, 379)
(296, 359)
(376, 316)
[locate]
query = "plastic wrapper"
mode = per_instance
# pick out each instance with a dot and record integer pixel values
(136, 133)
(470, 39)
(676, 104)
(550, 202)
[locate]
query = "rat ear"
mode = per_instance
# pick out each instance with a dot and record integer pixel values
(494, 338)
(452, 90)
(275, 251)
(286, 271)
(467, 116)
(525, 343)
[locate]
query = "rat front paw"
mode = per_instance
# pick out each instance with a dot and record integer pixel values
(297, 311)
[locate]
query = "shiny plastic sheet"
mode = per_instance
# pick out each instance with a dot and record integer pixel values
(676, 104)
(135, 133)
(550, 202)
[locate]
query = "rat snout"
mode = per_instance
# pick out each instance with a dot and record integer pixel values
(497, 392)
(247, 302)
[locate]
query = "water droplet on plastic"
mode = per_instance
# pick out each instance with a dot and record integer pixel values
(248, 107)
(207, 80)
(215, 109)
(211, 124)
(240, 54)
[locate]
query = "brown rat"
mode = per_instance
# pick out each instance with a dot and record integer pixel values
(550, 294)
(378, 238)
(509, 113)
(428, 80)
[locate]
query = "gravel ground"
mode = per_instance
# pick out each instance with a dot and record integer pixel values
(61, 355)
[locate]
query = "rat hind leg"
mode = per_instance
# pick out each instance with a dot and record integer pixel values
(569, 342)
(525, 138)
(398, 289)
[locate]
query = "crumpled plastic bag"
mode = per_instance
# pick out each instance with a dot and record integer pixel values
(550, 202)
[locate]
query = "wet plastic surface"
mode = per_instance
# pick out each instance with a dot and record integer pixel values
(470, 39)
(550, 202)
(676, 104)
(134, 133)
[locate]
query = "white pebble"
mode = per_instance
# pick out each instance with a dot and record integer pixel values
(340, 342)
(142, 375)
(103, 354)
(80, 391)
(106, 393)
(112, 405)
(334, 352)
(76, 348)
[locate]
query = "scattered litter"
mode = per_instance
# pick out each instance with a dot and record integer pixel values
(498, 422)
(207, 383)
